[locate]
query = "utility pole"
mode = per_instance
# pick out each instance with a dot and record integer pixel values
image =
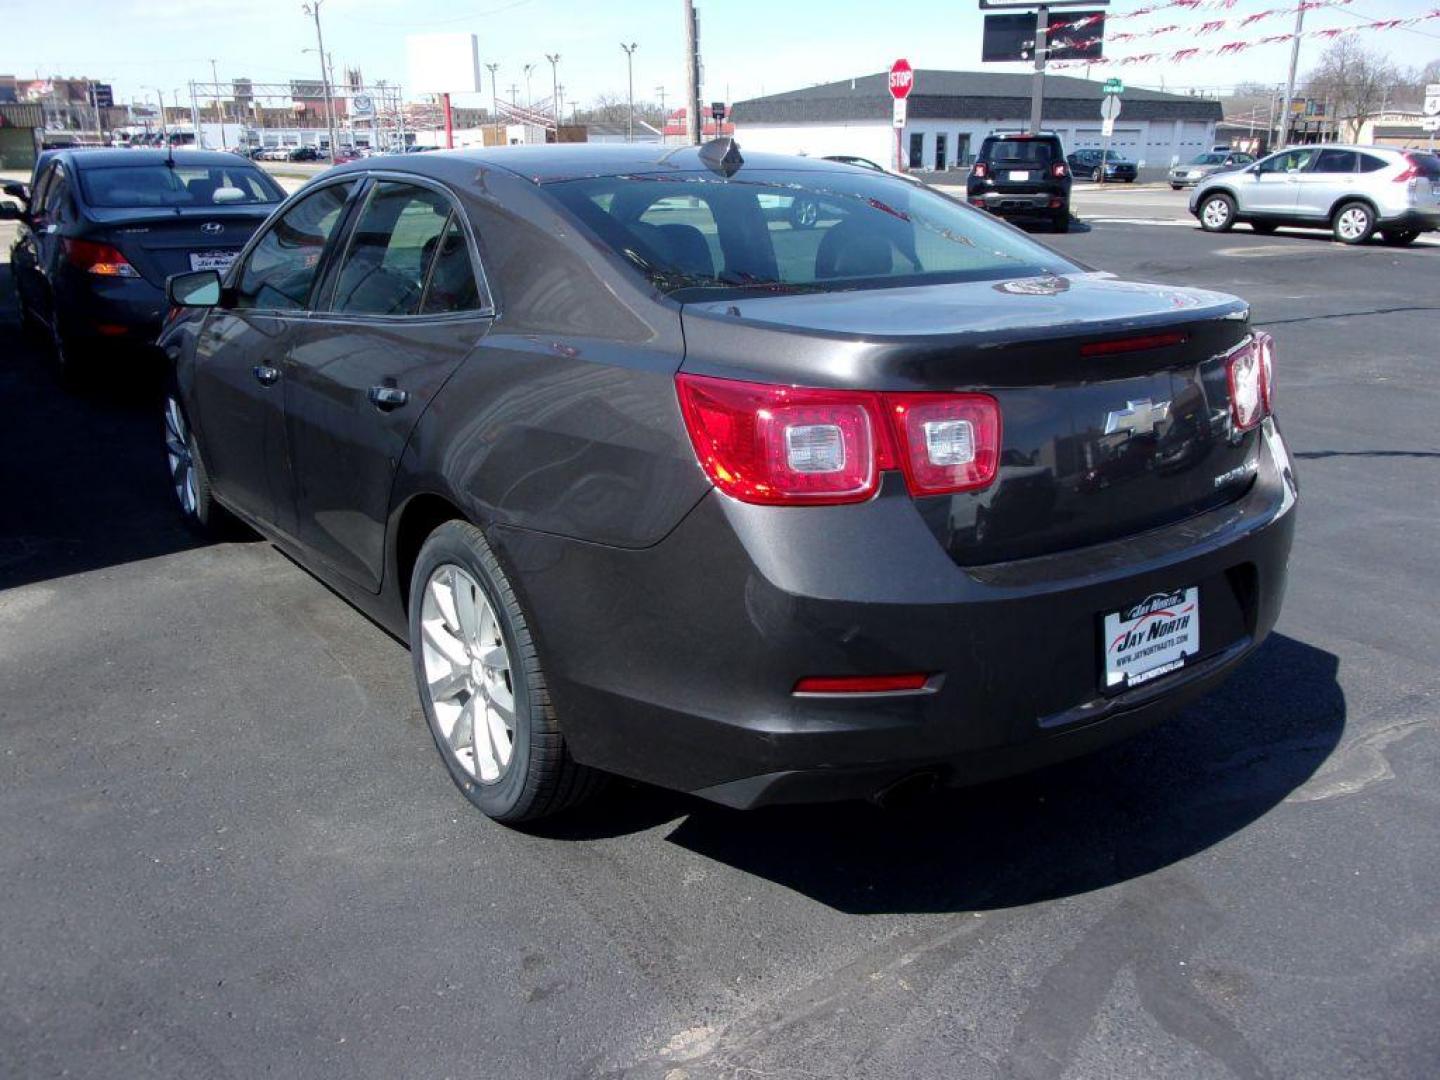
(1037, 87)
(494, 96)
(630, 69)
(219, 109)
(194, 115)
(692, 75)
(1290, 83)
(313, 9)
(554, 59)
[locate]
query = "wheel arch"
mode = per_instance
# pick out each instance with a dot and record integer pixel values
(421, 515)
(1346, 200)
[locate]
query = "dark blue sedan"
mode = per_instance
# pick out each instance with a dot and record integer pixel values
(101, 230)
(1087, 164)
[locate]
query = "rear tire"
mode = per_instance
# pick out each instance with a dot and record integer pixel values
(1217, 213)
(1177, 187)
(523, 771)
(1399, 237)
(189, 479)
(1354, 223)
(1264, 228)
(1061, 222)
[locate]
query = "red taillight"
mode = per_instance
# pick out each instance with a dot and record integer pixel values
(795, 445)
(1251, 371)
(1058, 170)
(948, 442)
(1411, 170)
(100, 259)
(980, 169)
(862, 684)
(784, 444)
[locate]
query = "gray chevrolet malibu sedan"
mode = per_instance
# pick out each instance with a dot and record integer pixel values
(657, 483)
(1203, 165)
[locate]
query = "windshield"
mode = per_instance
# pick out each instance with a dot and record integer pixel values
(788, 231)
(179, 185)
(1209, 159)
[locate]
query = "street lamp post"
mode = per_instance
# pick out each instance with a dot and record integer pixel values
(630, 72)
(554, 59)
(494, 94)
(529, 95)
(313, 10)
(219, 108)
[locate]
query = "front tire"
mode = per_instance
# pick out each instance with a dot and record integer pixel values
(481, 686)
(1217, 213)
(1177, 187)
(1354, 223)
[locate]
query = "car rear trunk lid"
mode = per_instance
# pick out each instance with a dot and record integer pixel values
(159, 243)
(1114, 396)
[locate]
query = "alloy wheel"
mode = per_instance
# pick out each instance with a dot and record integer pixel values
(1353, 223)
(180, 453)
(1216, 213)
(467, 672)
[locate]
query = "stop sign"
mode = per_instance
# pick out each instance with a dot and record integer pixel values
(902, 79)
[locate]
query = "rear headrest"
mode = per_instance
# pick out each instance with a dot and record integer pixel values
(851, 249)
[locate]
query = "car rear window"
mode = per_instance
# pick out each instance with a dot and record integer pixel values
(1033, 150)
(1426, 165)
(132, 186)
(785, 231)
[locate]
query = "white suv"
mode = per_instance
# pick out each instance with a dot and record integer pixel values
(1352, 190)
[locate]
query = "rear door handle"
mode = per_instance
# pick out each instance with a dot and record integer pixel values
(265, 375)
(386, 398)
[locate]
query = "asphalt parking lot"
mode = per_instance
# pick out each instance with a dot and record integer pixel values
(230, 849)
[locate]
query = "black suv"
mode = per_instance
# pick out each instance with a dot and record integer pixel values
(1022, 176)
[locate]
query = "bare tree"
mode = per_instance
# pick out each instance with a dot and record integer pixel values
(1357, 81)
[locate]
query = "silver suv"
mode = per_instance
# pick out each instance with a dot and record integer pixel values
(1352, 190)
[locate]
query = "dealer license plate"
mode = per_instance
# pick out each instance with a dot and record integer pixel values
(1019, 174)
(1151, 638)
(211, 260)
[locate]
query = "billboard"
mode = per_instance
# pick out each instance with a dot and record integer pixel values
(1011, 38)
(443, 63)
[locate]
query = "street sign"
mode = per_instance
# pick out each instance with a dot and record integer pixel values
(1011, 38)
(1430, 123)
(1114, 86)
(1432, 100)
(1110, 108)
(902, 79)
(1107, 127)
(900, 111)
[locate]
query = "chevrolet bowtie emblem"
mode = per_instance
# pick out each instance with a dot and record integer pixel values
(1141, 417)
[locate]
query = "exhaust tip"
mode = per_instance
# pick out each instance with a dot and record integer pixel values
(908, 790)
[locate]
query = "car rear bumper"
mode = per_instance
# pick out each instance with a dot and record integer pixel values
(676, 664)
(1423, 219)
(1019, 204)
(117, 309)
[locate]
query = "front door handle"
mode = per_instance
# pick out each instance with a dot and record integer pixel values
(386, 398)
(265, 375)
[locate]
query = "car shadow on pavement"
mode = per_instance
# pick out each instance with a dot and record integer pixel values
(1124, 812)
(87, 484)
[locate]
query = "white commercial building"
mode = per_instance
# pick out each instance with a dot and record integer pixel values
(950, 112)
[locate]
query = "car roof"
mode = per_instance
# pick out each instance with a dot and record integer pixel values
(117, 157)
(570, 161)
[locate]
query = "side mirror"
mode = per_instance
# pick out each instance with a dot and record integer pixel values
(197, 289)
(11, 212)
(17, 191)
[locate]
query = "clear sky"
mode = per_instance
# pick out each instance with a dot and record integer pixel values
(749, 47)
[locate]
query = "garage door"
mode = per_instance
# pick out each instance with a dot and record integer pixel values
(17, 148)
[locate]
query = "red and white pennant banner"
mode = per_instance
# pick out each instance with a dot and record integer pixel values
(1231, 48)
(1213, 26)
(1189, 5)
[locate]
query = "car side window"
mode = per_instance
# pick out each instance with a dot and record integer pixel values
(391, 247)
(1293, 162)
(281, 269)
(1371, 163)
(57, 200)
(452, 285)
(1335, 161)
